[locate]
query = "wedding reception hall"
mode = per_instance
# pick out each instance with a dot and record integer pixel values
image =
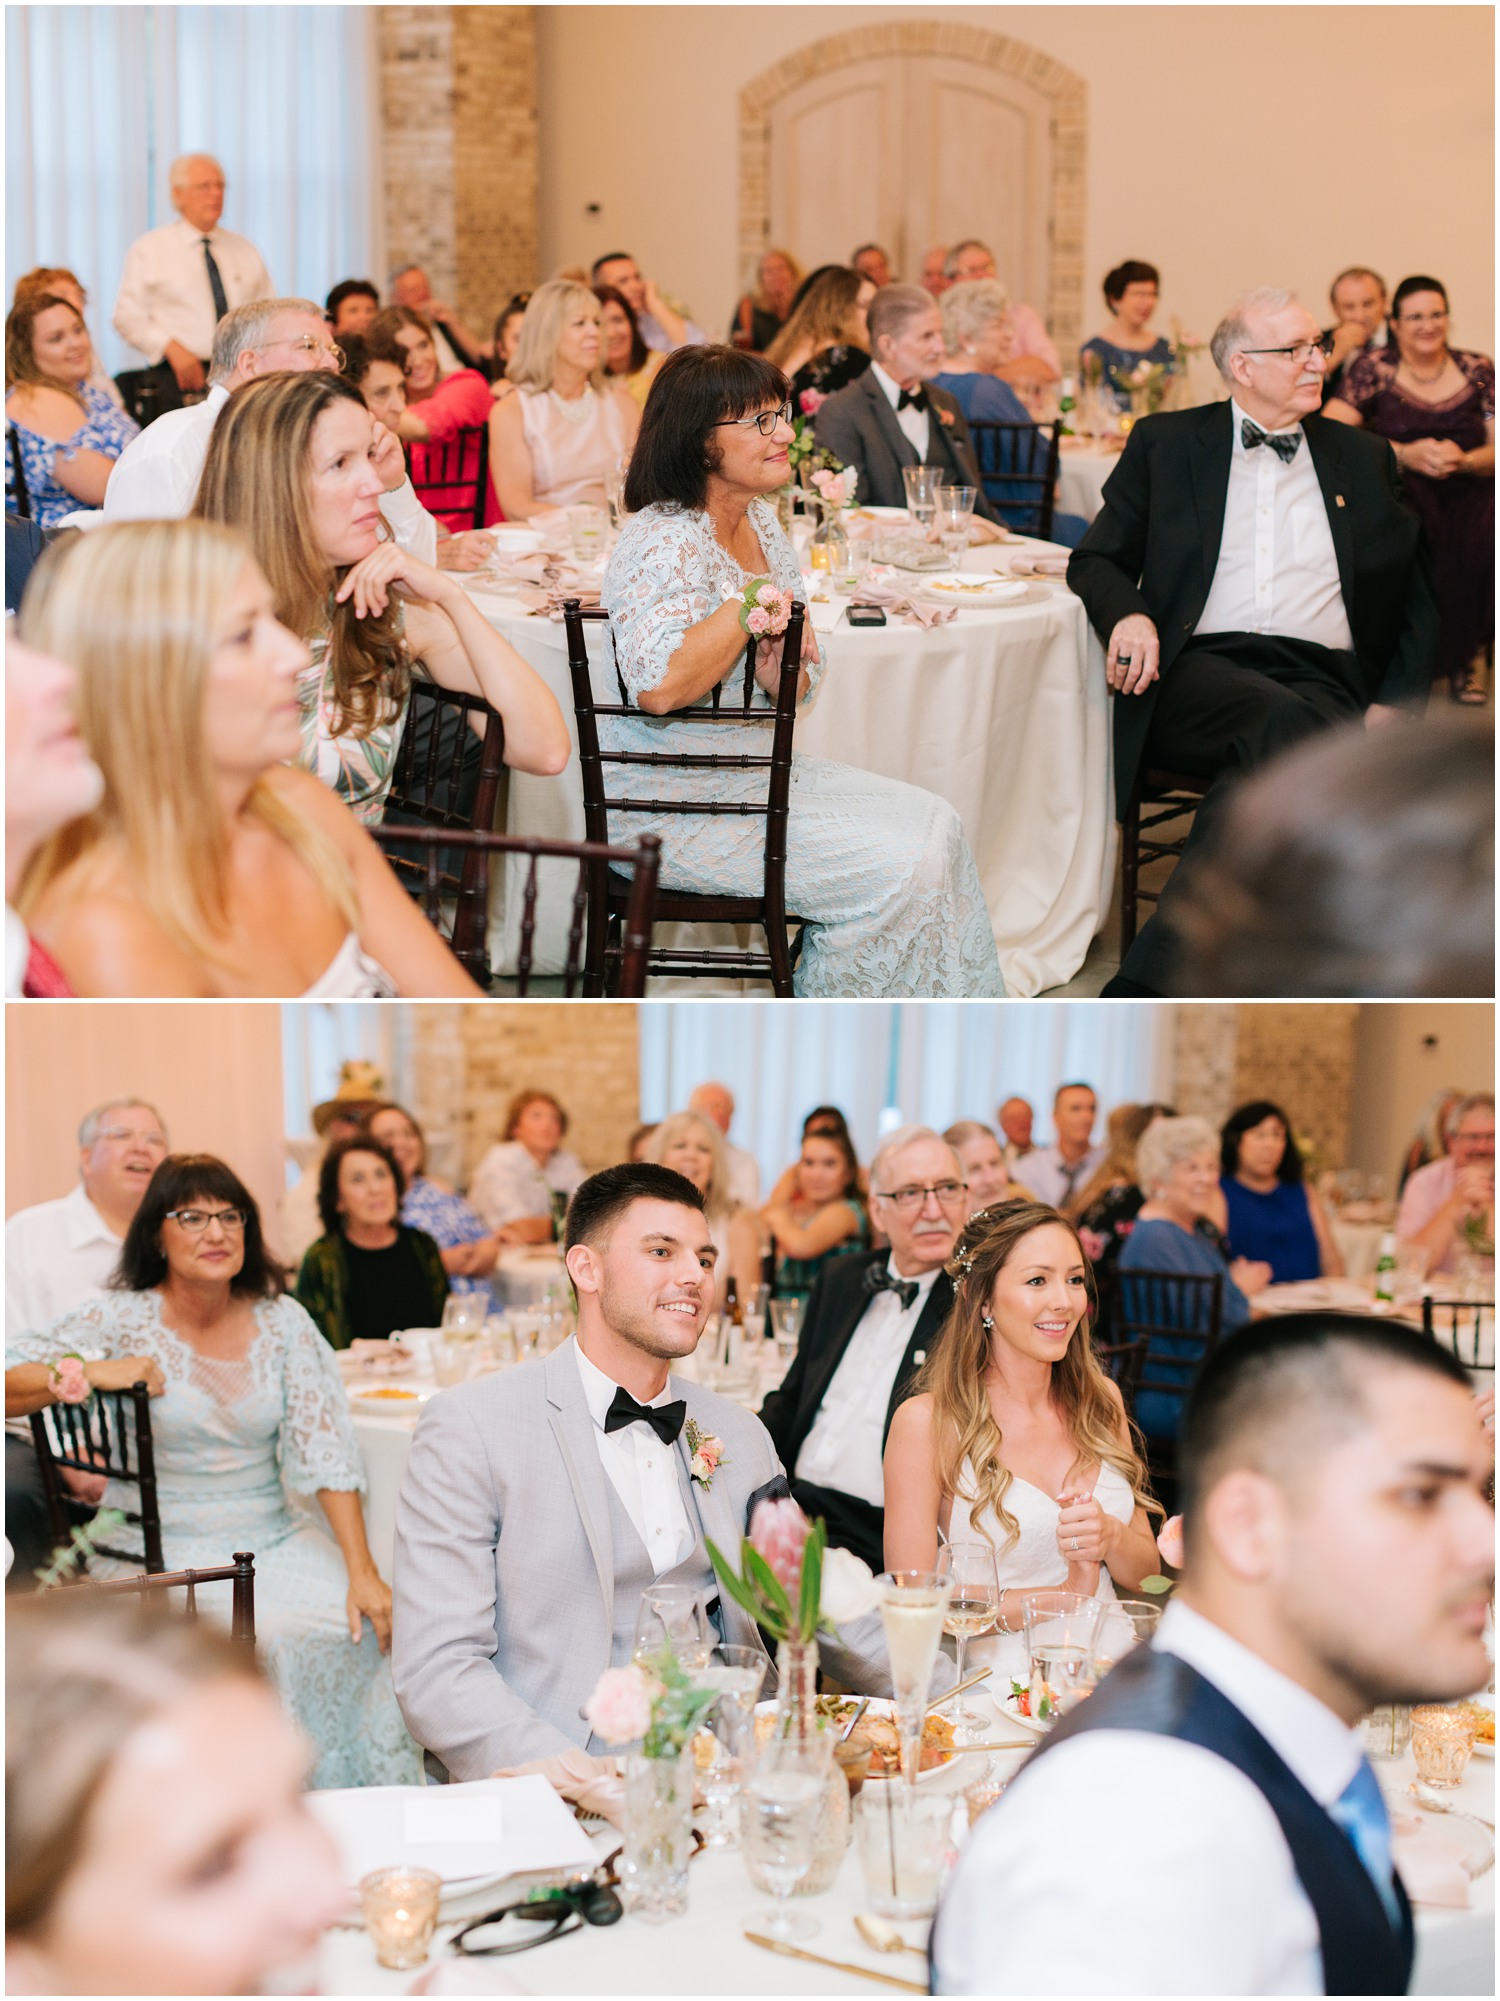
(951, 508)
(657, 1482)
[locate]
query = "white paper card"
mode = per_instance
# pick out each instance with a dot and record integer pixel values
(448, 1815)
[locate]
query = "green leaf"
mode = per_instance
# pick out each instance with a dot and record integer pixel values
(742, 1593)
(812, 1580)
(765, 1580)
(1157, 1586)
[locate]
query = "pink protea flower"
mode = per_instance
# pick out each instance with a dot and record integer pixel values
(811, 401)
(757, 621)
(1169, 1542)
(778, 1531)
(619, 1710)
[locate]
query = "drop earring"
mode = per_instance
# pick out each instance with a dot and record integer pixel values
(987, 1322)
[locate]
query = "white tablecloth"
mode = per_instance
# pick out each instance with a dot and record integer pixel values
(523, 1277)
(1004, 713)
(1082, 470)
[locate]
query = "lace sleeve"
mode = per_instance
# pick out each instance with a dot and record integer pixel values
(1362, 383)
(1481, 372)
(88, 1330)
(318, 1446)
(656, 587)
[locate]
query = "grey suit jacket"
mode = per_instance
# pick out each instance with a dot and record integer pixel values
(858, 425)
(504, 1581)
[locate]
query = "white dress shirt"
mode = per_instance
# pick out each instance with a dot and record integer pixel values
(913, 421)
(164, 290)
(58, 1255)
(508, 1184)
(1277, 571)
(1127, 1863)
(1050, 1178)
(744, 1176)
(845, 1449)
(642, 1471)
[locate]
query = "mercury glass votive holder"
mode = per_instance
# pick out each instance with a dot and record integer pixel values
(401, 1912)
(1442, 1743)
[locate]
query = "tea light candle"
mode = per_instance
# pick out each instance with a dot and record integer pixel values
(401, 1911)
(1442, 1742)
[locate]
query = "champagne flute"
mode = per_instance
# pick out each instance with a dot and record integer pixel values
(913, 1604)
(974, 1606)
(784, 1801)
(672, 1619)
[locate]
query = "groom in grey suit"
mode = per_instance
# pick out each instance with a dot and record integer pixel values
(540, 1503)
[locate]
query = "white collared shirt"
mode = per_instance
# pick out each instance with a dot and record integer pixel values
(915, 423)
(642, 1471)
(845, 1449)
(58, 1255)
(1277, 571)
(156, 477)
(164, 290)
(744, 1176)
(1149, 1824)
(1050, 1178)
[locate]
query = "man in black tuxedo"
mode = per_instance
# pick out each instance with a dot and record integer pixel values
(1255, 579)
(869, 1325)
(891, 416)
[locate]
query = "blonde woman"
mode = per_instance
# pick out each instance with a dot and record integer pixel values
(557, 442)
(67, 433)
(762, 312)
(293, 463)
(210, 867)
(1014, 1435)
(694, 1146)
(825, 344)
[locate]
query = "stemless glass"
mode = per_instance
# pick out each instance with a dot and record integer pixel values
(673, 1619)
(1124, 1624)
(955, 511)
(921, 483)
(786, 1323)
(736, 1674)
(782, 1805)
(913, 1604)
(974, 1606)
(1060, 1649)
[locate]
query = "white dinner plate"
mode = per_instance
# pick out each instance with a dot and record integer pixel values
(881, 514)
(972, 590)
(1012, 1714)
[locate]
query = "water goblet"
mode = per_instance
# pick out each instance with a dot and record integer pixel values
(1124, 1624)
(464, 1314)
(737, 1674)
(921, 483)
(955, 512)
(1060, 1649)
(972, 1609)
(782, 1805)
(672, 1619)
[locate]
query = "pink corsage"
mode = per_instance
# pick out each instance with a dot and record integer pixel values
(765, 609)
(69, 1383)
(707, 1454)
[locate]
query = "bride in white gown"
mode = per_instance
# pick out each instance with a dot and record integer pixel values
(1015, 1435)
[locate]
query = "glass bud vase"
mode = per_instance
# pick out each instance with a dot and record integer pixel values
(796, 1716)
(829, 548)
(658, 1835)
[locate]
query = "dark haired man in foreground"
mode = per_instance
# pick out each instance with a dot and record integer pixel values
(1210, 1813)
(540, 1503)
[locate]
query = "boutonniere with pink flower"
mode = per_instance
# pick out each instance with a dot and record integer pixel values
(836, 489)
(764, 609)
(705, 1452)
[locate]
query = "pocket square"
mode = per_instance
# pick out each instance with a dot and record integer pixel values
(773, 1490)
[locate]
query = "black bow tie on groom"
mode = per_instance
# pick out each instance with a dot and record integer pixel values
(878, 1279)
(664, 1419)
(1284, 444)
(915, 398)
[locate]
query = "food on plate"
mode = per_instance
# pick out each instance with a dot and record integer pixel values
(1482, 1718)
(877, 1731)
(393, 1395)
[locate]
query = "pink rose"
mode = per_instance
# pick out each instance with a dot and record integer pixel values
(1092, 1242)
(757, 621)
(811, 401)
(778, 1530)
(619, 1710)
(70, 1384)
(1169, 1542)
(772, 596)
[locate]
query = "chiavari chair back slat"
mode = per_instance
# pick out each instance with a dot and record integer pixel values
(96, 1437)
(1178, 1317)
(1458, 1325)
(1022, 460)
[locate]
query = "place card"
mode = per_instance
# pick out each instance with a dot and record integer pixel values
(449, 1815)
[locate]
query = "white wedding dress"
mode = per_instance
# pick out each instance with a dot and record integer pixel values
(1033, 1559)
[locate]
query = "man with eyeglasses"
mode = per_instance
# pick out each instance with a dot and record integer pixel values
(869, 1324)
(1254, 580)
(181, 279)
(156, 477)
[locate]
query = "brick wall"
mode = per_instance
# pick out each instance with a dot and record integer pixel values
(1301, 1056)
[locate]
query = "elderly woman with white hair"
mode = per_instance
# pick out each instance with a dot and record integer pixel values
(694, 1146)
(558, 441)
(1177, 1165)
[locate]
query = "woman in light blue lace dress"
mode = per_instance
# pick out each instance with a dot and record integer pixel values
(881, 871)
(253, 1412)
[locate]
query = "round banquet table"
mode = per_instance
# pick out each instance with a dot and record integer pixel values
(706, 1950)
(524, 1276)
(1003, 712)
(1082, 469)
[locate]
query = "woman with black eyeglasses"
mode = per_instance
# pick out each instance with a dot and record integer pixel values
(880, 871)
(253, 1411)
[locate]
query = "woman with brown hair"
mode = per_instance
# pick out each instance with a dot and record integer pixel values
(825, 343)
(68, 432)
(824, 1216)
(439, 410)
(290, 464)
(1014, 1434)
(522, 1186)
(66, 285)
(626, 355)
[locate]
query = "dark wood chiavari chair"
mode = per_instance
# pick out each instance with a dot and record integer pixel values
(110, 1434)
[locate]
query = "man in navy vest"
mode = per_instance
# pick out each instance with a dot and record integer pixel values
(1208, 1823)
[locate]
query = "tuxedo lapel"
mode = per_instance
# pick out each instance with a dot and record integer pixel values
(821, 1371)
(573, 1429)
(1210, 476)
(1323, 447)
(935, 1310)
(885, 422)
(720, 1510)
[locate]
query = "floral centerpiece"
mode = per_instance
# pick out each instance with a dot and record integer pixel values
(655, 1705)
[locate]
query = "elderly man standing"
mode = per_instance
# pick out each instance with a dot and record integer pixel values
(892, 417)
(716, 1101)
(869, 1323)
(180, 280)
(156, 477)
(1446, 1201)
(1255, 577)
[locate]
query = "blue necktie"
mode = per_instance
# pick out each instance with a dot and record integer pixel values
(1360, 1811)
(215, 281)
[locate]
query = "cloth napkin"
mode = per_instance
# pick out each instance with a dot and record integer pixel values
(590, 1783)
(880, 585)
(1430, 1870)
(379, 1358)
(1039, 566)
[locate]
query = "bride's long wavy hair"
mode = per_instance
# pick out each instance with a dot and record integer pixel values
(954, 1376)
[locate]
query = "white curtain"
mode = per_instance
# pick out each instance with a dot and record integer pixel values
(886, 1063)
(317, 1039)
(100, 100)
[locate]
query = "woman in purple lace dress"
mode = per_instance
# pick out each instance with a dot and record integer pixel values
(1436, 404)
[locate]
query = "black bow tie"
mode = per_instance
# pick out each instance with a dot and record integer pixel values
(916, 398)
(878, 1279)
(664, 1419)
(1284, 444)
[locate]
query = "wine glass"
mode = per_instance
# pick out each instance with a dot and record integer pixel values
(464, 1314)
(736, 1674)
(674, 1620)
(784, 1800)
(913, 1604)
(974, 1606)
(955, 511)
